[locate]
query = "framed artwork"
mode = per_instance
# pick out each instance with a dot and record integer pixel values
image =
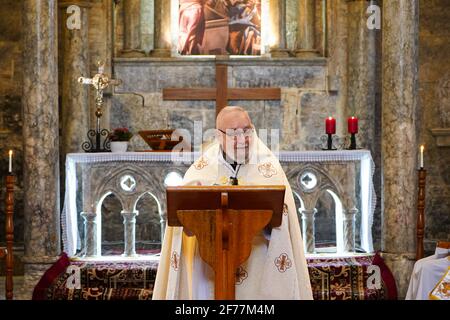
(219, 27)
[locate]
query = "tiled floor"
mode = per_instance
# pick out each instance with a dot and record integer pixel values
(17, 284)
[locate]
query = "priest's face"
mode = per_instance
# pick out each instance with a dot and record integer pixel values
(235, 132)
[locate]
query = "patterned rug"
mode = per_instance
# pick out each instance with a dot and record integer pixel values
(81, 280)
(351, 278)
(356, 278)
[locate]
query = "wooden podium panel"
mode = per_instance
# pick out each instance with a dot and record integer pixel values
(239, 198)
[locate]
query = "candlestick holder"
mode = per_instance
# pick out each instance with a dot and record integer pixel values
(9, 230)
(422, 174)
(352, 142)
(97, 146)
(330, 142)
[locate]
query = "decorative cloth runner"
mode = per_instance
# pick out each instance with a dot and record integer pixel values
(97, 280)
(364, 277)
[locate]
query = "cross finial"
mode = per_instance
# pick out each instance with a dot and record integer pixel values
(100, 82)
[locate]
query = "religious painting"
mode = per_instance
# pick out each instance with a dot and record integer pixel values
(219, 27)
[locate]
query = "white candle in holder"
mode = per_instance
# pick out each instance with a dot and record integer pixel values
(10, 161)
(421, 155)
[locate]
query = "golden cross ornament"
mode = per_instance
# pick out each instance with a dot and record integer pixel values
(100, 82)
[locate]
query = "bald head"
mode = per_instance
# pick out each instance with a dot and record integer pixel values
(234, 124)
(232, 117)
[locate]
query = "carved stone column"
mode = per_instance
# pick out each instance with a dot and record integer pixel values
(132, 29)
(163, 220)
(349, 229)
(162, 29)
(308, 229)
(278, 29)
(40, 140)
(75, 63)
(129, 223)
(91, 244)
(362, 79)
(399, 144)
(306, 30)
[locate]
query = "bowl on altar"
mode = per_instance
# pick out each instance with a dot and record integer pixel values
(160, 140)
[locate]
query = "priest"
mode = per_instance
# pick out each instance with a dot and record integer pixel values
(276, 268)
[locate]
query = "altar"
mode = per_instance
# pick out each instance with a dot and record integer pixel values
(335, 202)
(333, 190)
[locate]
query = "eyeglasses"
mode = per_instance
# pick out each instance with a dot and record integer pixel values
(246, 132)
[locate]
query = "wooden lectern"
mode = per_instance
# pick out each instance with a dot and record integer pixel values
(225, 220)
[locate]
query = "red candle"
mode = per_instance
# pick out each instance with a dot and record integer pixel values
(352, 125)
(330, 125)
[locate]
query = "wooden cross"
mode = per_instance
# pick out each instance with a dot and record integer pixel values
(221, 93)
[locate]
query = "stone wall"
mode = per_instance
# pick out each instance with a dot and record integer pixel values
(434, 82)
(147, 21)
(11, 114)
(299, 116)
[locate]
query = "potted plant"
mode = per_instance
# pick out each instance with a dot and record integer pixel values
(119, 138)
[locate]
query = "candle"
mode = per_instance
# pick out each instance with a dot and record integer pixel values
(352, 125)
(330, 125)
(10, 161)
(421, 155)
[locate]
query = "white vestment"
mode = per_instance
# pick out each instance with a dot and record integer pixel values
(426, 274)
(276, 268)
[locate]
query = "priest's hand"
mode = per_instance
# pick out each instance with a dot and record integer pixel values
(267, 232)
(188, 232)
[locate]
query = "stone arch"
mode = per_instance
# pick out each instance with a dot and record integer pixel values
(147, 221)
(106, 180)
(326, 184)
(111, 183)
(338, 218)
(114, 227)
(298, 199)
